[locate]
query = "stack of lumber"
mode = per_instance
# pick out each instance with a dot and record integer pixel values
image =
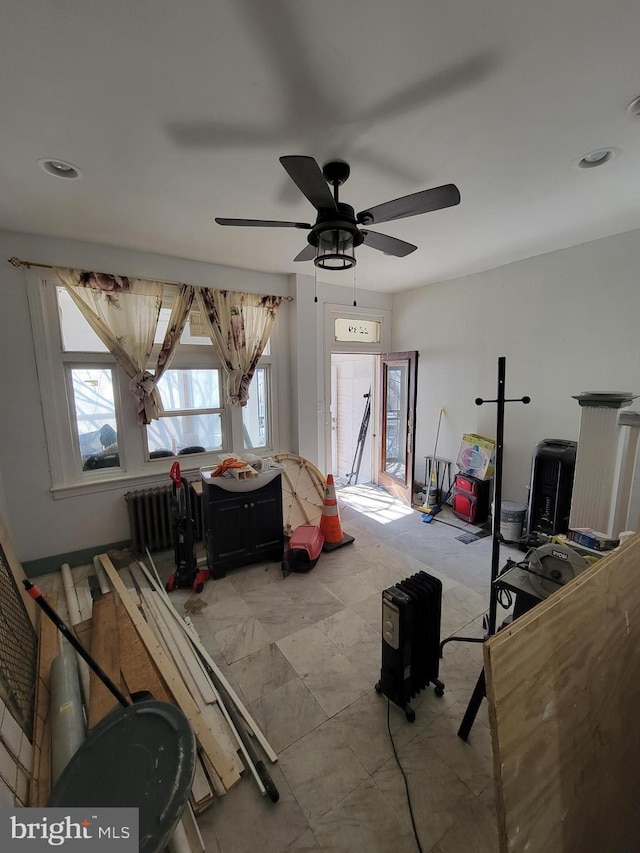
(138, 638)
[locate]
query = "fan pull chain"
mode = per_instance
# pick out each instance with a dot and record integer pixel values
(354, 287)
(315, 283)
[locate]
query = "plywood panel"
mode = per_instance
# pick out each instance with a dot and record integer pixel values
(47, 650)
(136, 664)
(563, 684)
(105, 650)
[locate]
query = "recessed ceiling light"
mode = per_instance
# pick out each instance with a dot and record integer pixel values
(634, 108)
(597, 158)
(60, 169)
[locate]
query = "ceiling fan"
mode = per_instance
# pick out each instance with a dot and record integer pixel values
(335, 234)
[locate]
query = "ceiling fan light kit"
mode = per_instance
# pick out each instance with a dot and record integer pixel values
(335, 235)
(335, 249)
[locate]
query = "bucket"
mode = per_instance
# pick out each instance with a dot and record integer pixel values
(512, 517)
(147, 759)
(430, 495)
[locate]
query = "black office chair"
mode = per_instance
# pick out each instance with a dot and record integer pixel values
(195, 448)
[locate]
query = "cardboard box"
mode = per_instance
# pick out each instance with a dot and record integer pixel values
(477, 456)
(589, 538)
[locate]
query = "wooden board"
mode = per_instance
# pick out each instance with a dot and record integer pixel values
(47, 652)
(181, 654)
(136, 665)
(171, 676)
(83, 632)
(105, 650)
(563, 684)
(192, 831)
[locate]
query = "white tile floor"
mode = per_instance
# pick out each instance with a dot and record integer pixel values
(304, 654)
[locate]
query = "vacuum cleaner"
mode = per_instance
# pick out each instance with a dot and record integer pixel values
(187, 573)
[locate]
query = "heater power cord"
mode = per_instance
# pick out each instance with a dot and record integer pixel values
(404, 776)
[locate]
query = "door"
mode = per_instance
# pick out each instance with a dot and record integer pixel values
(397, 422)
(353, 379)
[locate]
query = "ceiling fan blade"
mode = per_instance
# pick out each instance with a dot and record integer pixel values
(307, 254)
(436, 198)
(263, 223)
(307, 175)
(388, 245)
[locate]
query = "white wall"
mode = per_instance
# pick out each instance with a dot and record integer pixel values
(41, 526)
(566, 322)
(311, 359)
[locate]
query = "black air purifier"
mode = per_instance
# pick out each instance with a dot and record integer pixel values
(552, 468)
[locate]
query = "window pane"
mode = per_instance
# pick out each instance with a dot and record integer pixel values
(77, 334)
(190, 389)
(357, 330)
(95, 417)
(255, 415)
(396, 380)
(193, 332)
(177, 432)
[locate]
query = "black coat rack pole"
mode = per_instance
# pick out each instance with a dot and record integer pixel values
(497, 494)
(480, 688)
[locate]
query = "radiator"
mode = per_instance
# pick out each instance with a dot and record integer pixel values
(410, 639)
(150, 518)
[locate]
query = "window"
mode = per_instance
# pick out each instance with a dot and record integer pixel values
(93, 438)
(255, 415)
(95, 422)
(192, 416)
(346, 329)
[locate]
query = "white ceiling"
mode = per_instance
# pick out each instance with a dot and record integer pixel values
(177, 112)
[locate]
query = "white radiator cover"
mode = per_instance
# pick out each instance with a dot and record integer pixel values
(598, 466)
(595, 469)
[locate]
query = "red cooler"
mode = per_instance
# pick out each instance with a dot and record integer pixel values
(471, 499)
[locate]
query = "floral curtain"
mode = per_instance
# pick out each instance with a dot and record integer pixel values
(124, 313)
(239, 325)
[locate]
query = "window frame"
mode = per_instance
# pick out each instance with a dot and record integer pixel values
(53, 366)
(69, 366)
(266, 366)
(190, 361)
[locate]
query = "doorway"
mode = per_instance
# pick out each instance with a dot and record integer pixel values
(397, 423)
(353, 377)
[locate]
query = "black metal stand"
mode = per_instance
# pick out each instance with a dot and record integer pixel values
(480, 688)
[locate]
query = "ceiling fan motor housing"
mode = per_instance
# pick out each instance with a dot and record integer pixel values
(329, 220)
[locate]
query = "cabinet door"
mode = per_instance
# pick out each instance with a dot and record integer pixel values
(230, 537)
(266, 518)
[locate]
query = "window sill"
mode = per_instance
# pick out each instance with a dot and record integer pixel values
(123, 479)
(156, 474)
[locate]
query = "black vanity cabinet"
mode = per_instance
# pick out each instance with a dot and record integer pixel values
(242, 526)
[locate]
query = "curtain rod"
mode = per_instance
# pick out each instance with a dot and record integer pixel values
(16, 262)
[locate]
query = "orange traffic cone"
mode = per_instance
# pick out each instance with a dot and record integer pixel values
(330, 526)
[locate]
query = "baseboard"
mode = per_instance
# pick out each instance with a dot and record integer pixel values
(45, 565)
